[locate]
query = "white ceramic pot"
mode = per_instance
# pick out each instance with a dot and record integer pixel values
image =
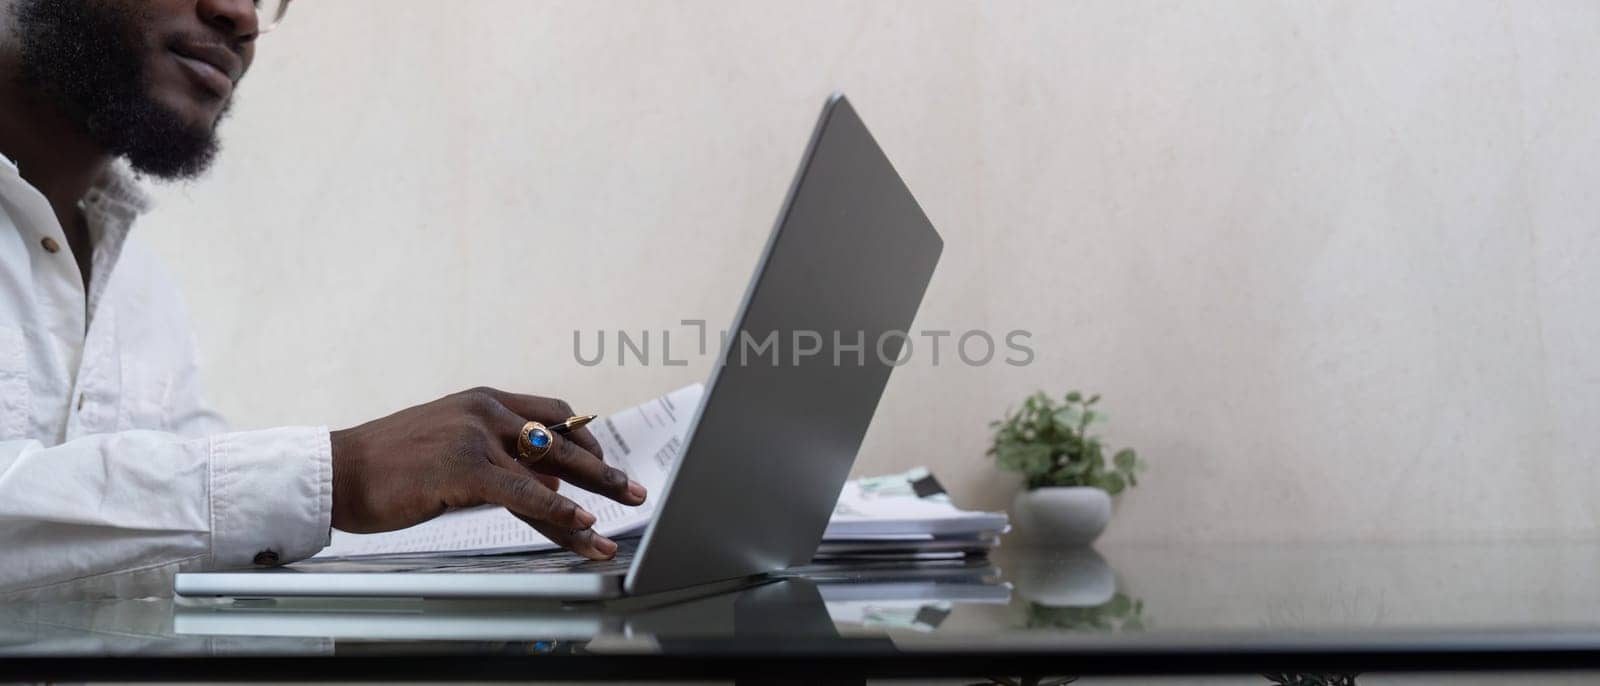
(1061, 515)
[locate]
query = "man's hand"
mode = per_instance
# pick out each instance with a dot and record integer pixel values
(458, 452)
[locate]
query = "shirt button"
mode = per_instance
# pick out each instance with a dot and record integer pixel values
(80, 402)
(50, 245)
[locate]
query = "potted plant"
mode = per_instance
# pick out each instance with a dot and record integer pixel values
(1069, 480)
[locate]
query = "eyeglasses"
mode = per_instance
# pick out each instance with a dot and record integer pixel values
(269, 13)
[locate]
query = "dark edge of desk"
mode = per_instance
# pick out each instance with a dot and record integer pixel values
(696, 665)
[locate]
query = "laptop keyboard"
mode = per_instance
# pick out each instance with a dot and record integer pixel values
(520, 563)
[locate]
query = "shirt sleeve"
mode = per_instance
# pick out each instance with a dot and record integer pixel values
(127, 504)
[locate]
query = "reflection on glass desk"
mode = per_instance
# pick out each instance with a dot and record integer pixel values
(1123, 609)
(881, 595)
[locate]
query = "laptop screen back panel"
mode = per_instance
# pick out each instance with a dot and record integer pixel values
(801, 375)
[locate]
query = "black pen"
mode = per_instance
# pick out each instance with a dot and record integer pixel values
(572, 424)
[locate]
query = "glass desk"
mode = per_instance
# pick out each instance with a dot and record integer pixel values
(1318, 613)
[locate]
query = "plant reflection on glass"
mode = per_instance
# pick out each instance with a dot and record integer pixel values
(1295, 679)
(1050, 445)
(1121, 613)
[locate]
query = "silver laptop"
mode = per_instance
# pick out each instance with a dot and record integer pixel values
(774, 438)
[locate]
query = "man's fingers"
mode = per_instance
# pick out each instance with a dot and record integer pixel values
(549, 411)
(525, 497)
(502, 420)
(582, 469)
(586, 440)
(584, 542)
(570, 461)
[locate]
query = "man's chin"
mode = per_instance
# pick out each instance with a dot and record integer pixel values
(175, 161)
(172, 143)
(176, 153)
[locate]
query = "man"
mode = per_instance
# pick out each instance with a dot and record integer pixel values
(112, 470)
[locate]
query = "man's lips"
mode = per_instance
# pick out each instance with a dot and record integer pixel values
(214, 66)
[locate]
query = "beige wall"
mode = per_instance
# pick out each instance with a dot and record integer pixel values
(1334, 266)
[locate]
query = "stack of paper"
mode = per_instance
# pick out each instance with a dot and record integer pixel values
(903, 595)
(900, 516)
(906, 516)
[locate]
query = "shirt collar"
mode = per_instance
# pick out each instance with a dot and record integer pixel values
(117, 193)
(112, 205)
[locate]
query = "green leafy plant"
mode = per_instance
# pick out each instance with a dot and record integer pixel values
(1050, 445)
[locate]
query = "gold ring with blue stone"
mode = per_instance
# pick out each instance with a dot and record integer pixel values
(533, 442)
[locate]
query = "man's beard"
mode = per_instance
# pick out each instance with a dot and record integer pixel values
(83, 55)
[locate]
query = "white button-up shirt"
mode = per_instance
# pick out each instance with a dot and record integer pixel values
(113, 472)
